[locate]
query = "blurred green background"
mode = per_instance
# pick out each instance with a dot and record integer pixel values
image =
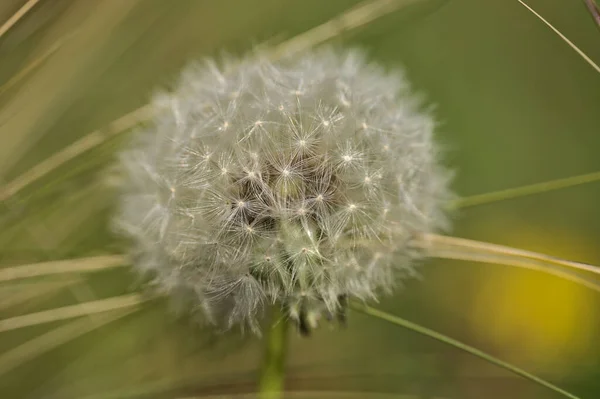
(515, 104)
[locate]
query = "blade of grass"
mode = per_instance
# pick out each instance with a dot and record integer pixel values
(358, 16)
(69, 312)
(17, 16)
(54, 338)
(439, 242)
(17, 294)
(91, 201)
(33, 64)
(80, 265)
(398, 321)
(319, 395)
(520, 263)
(594, 10)
(61, 215)
(523, 191)
(563, 37)
(77, 148)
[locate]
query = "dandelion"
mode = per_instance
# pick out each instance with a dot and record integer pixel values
(299, 183)
(267, 183)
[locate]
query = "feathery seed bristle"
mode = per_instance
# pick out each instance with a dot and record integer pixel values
(298, 182)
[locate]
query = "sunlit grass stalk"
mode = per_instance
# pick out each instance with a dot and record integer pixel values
(32, 66)
(78, 265)
(70, 152)
(27, 294)
(528, 264)
(54, 338)
(440, 242)
(69, 312)
(360, 15)
(16, 17)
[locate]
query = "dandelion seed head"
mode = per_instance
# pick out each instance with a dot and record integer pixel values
(296, 182)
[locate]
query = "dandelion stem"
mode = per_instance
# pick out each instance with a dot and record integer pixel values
(457, 344)
(272, 376)
(523, 191)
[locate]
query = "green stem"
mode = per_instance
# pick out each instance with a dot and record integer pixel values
(523, 191)
(272, 376)
(457, 344)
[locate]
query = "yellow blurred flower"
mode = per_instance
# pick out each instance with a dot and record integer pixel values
(536, 320)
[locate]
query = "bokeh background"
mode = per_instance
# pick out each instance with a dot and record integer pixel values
(515, 104)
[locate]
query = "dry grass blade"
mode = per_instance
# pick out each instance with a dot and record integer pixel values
(80, 265)
(357, 16)
(461, 249)
(318, 395)
(33, 65)
(69, 312)
(563, 37)
(86, 202)
(516, 262)
(77, 148)
(355, 394)
(439, 242)
(594, 10)
(17, 294)
(17, 16)
(54, 338)
(523, 191)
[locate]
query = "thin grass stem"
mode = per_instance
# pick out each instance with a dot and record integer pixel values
(79, 265)
(70, 152)
(16, 17)
(54, 338)
(24, 72)
(358, 16)
(398, 321)
(563, 37)
(439, 242)
(69, 312)
(523, 191)
(594, 11)
(25, 295)
(520, 263)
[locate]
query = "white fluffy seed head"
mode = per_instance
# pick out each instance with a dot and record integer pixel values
(298, 182)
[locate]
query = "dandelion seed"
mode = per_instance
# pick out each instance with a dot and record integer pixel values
(298, 182)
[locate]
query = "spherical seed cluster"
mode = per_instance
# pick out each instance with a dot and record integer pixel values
(298, 182)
